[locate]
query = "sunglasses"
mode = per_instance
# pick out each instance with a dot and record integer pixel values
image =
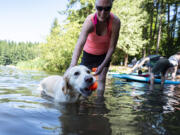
(100, 8)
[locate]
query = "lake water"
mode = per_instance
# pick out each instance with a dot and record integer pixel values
(130, 108)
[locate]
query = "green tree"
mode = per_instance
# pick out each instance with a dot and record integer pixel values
(12, 53)
(57, 51)
(133, 20)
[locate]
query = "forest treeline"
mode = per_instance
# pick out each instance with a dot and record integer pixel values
(147, 27)
(11, 52)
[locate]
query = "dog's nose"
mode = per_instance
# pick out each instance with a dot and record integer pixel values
(88, 79)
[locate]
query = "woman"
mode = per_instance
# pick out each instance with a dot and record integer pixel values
(98, 40)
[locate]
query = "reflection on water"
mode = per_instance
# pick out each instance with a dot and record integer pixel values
(130, 108)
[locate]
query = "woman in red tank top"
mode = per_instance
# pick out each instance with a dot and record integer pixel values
(98, 40)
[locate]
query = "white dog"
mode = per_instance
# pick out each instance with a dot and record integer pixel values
(75, 82)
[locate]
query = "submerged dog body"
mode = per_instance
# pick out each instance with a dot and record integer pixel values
(75, 82)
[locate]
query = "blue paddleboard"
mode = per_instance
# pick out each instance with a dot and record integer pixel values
(142, 79)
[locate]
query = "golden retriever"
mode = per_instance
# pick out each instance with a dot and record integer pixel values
(75, 82)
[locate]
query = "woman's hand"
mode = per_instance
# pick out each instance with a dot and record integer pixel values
(98, 70)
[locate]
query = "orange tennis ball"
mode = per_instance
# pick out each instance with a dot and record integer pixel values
(94, 86)
(94, 69)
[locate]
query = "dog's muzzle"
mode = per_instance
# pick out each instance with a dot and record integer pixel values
(86, 92)
(89, 80)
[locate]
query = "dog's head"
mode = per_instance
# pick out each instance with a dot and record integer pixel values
(79, 79)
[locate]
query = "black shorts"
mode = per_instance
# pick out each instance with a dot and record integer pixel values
(161, 66)
(153, 60)
(92, 61)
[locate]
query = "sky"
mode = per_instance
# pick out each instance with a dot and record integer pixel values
(29, 20)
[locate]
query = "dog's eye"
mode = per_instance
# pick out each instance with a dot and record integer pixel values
(88, 71)
(77, 73)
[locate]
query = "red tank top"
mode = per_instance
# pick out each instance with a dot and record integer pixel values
(95, 44)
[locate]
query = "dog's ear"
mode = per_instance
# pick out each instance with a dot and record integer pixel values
(65, 87)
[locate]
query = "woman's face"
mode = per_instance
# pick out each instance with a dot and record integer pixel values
(103, 8)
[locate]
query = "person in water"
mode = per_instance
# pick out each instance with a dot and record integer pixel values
(150, 61)
(165, 66)
(98, 40)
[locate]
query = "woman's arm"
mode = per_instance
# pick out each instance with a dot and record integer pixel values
(174, 72)
(86, 29)
(146, 59)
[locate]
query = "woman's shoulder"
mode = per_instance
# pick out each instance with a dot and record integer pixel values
(116, 22)
(116, 19)
(88, 24)
(90, 16)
